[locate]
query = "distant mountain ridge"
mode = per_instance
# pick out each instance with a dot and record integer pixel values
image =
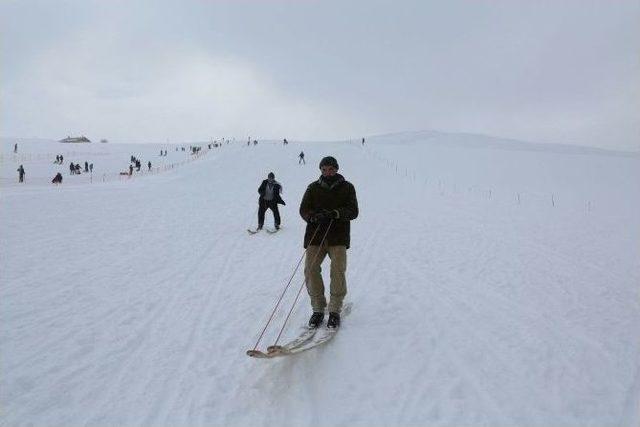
(471, 140)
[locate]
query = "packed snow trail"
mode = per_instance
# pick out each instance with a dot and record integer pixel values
(133, 303)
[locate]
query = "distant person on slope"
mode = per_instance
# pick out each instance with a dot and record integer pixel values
(269, 198)
(21, 173)
(328, 206)
(301, 158)
(57, 179)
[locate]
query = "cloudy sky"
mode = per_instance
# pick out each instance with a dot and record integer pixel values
(564, 71)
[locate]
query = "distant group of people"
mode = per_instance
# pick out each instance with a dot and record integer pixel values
(76, 169)
(163, 153)
(59, 159)
(134, 162)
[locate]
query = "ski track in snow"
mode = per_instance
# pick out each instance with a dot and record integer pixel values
(134, 303)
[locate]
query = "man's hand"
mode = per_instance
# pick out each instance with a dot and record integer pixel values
(323, 215)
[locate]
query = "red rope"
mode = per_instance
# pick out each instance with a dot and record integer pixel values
(284, 291)
(304, 282)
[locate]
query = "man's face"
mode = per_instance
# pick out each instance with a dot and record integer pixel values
(328, 170)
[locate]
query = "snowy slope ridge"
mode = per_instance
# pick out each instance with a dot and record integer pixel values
(133, 302)
(471, 140)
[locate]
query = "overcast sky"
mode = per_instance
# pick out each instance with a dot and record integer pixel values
(565, 71)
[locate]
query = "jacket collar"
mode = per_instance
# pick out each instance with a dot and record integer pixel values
(330, 186)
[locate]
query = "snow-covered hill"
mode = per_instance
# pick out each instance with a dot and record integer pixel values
(490, 286)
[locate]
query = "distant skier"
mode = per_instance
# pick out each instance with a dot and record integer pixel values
(301, 158)
(15, 148)
(130, 170)
(269, 198)
(362, 141)
(72, 169)
(57, 179)
(149, 165)
(86, 166)
(20, 173)
(328, 206)
(91, 167)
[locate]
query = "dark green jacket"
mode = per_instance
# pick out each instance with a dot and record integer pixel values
(341, 197)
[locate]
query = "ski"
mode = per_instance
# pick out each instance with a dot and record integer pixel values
(272, 350)
(325, 337)
(304, 341)
(305, 336)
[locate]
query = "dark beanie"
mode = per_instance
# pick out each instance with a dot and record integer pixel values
(329, 161)
(271, 175)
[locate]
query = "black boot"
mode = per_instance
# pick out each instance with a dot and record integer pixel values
(316, 319)
(334, 320)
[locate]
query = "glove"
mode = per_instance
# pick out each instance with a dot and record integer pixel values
(323, 216)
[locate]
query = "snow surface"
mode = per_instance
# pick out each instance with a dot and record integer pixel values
(492, 284)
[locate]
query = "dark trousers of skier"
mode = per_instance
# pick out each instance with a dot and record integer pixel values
(262, 208)
(302, 161)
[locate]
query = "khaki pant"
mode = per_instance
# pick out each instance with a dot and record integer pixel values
(315, 285)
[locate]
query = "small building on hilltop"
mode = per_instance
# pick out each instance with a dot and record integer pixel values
(75, 139)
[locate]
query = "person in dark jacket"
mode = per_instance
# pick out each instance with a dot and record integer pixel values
(269, 198)
(57, 179)
(328, 206)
